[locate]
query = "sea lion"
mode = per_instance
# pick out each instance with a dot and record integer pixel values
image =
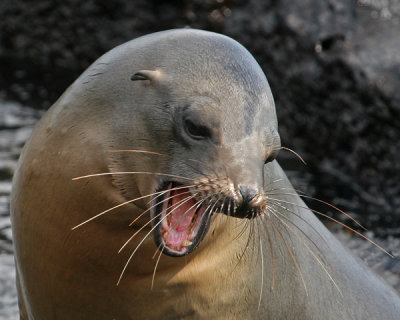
(168, 142)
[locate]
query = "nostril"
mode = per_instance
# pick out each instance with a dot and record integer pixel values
(247, 193)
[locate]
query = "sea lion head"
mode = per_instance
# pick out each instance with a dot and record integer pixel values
(197, 112)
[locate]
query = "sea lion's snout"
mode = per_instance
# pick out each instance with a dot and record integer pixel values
(251, 204)
(182, 214)
(218, 169)
(247, 193)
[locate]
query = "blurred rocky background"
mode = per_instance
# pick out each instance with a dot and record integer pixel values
(333, 66)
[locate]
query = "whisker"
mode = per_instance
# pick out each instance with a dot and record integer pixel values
(223, 167)
(229, 208)
(272, 255)
(138, 246)
(271, 183)
(134, 235)
(277, 189)
(295, 153)
(336, 208)
(155, 205)
(220, 209)
(299, 193)
(181, 187)
(156, 251)
(262, 271)
(340, 223)
(298, 216)
(306, 235)
(120, 205)
(155, 268)
(310, 251)
(251, 234)
(292, 257)
(245, 227)
(136, 151)
(247, 221)
(137, 232)
(197, 205)
(130, 172)
(209, 213)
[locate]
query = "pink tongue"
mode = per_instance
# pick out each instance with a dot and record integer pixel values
(182, 211)
(177, 232)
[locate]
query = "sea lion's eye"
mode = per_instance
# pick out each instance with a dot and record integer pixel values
(195, 131)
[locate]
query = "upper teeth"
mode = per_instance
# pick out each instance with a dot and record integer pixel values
(186, 243)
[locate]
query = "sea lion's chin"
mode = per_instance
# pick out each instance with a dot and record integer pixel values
(180, 220)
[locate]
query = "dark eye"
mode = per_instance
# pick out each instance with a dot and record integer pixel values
(195, 131)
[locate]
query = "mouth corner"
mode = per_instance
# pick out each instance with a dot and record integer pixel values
(180, 221)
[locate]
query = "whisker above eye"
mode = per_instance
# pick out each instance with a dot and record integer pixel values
(295, 153)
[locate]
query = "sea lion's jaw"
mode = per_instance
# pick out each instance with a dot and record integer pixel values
(179, 219)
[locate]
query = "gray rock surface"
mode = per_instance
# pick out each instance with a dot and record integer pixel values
(16, 124)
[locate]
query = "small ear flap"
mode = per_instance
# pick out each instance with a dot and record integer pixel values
(146, 75)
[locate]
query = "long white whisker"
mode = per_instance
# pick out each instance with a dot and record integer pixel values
(292, 256)
(122, 204)
(144, 238)
(306, 235)
(310, 251)
(130, 172)
(155, 205)
(136, 151)
(262, 272)
(182, 187)
(155, 268)
(340, 223)
(274, 203)
(323, 202)
(197, 205)
(272, 255)
(134, 235)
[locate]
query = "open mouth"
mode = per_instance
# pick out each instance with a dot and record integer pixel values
(180, 220)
